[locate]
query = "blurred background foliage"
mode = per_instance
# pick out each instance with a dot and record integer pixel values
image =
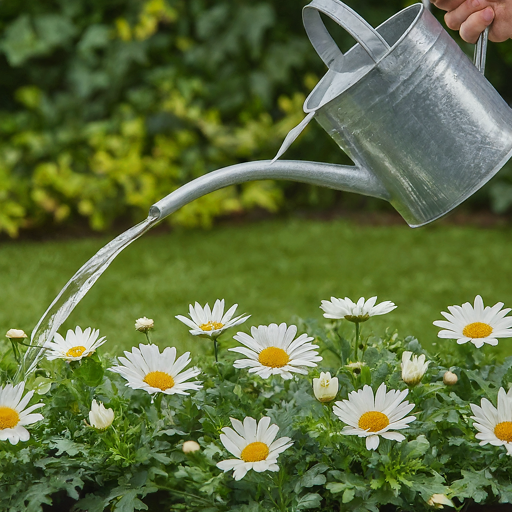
(107, 106)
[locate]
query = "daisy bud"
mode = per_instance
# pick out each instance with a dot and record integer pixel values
(100, 417)
(15, 334)
(439, 500)
(413, 368)
(325, 387)
(190, 447)
(450, 379)
(144, 324)
(355, 367)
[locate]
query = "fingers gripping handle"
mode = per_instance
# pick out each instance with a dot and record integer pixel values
(357, 27)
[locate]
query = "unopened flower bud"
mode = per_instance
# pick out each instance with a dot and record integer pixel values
(325, 387)
(15, 334)
(413, 368)
(439, 500)
(190, 447)
(355, 367)
(100, 417)
(144, 324)
(450, 379)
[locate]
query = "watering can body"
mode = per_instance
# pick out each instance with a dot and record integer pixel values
(421, 123)
(418, 114)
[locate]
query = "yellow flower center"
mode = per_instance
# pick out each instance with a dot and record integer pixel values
(477, 330)
(273, 357)
(373, 421)
(9, 418)
(159, 380)
(503, 431)
(211, 326)
(254, 452)
(76, 351)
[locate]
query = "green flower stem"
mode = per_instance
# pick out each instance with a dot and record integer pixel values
(358, 329)
(15, 351)
(327, 414)
(158, 401)
(216, 349)
(183, 493)
(148, 338)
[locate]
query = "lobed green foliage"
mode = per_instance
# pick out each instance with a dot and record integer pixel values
(106, 107)
(138, 464)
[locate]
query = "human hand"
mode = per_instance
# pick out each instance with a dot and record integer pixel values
(471, 17)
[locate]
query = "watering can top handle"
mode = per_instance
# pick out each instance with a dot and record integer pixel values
(357, 27)
(373, 43)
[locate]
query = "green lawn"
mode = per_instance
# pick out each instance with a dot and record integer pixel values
(273, 270)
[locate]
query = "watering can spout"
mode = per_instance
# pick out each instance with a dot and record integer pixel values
(338, 177)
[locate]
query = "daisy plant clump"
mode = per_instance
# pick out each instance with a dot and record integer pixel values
(281, 423)
(208, 323)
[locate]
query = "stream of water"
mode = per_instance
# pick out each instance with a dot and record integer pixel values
(74, 291)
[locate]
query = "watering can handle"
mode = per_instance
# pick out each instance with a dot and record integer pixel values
(357, 27)
(481, 51)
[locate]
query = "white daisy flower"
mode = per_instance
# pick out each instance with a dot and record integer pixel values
(76, 345)
(207, 323)
(475, 323)
(13, 415)
(494, 425)
(371, 417)
(413, 368)
(272, 351)
(360, 312)
(148, 369)
(254, 445)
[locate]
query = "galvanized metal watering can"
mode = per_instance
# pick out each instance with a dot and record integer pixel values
(422, 125)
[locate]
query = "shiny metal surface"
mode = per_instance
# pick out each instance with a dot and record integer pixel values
(372, 42)
(481, 51)
(423, 119)
(339, 177)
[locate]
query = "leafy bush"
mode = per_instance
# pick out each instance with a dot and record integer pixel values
(108, 106)
(139, 462)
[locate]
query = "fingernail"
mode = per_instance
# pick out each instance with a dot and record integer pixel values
(488, 14)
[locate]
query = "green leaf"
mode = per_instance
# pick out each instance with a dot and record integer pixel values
(67, 446)
(313, 476)
(348, 495)
(90, 371)
(311, 500)
(416, 448)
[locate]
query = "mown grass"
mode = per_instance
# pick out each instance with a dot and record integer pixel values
(274, 270)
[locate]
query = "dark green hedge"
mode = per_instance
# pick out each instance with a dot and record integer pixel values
(107, 106)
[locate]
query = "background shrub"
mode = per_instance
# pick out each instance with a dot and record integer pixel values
(107, 106)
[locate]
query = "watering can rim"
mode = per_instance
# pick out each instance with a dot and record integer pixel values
(421, 9)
